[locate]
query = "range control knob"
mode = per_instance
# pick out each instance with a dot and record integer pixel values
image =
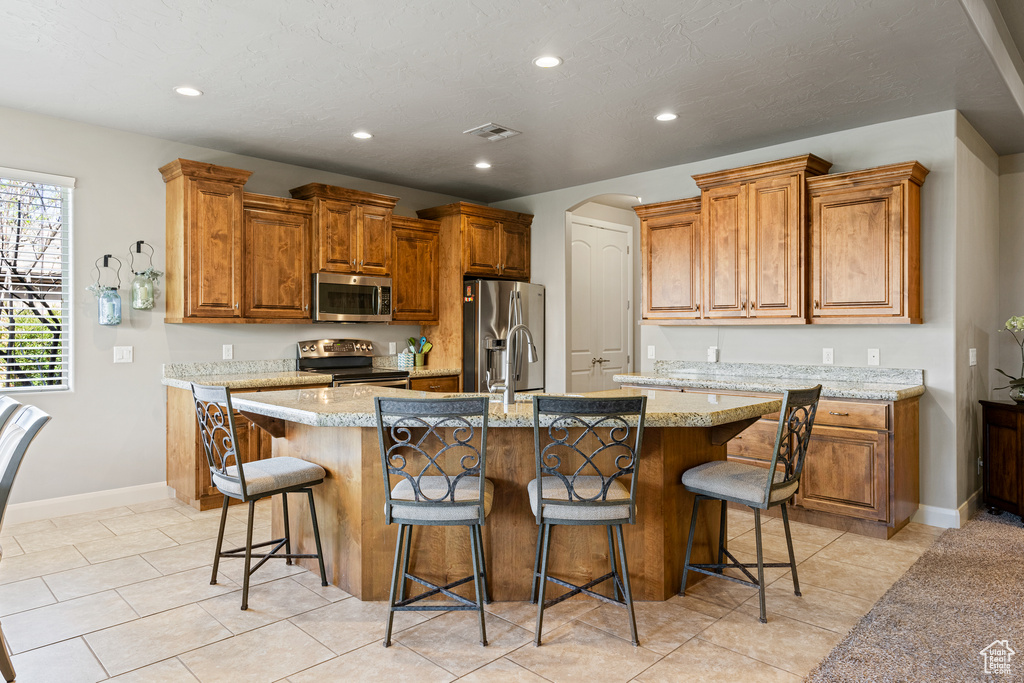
(369, 347)
(305, 348)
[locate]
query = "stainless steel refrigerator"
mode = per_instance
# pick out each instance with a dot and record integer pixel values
(489, 309)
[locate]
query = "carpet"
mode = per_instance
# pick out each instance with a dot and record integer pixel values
(963, 594)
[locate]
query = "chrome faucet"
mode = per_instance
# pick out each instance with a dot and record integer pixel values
(509, 386)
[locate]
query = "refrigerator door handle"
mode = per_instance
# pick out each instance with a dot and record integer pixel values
(519, 348)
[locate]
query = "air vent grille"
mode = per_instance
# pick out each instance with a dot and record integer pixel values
(492, 132)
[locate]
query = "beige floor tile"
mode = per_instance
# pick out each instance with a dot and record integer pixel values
(702, 607)
(783, 643)
(396, 664)
(75, 583)
(452, 640)
(31, 565)
(44, 540)
(174, 590)
(180, 558)
(524, 614)
(860, 582)
(24, 595)
(63, 620)
(268, 602)
(349, 624)
(805, 533)
(234, 569)
(738, 522)
(167, 671)
(122, 546)
(266, 654)
(720, 592)
(201, 529)
(261, 532)
(34, 527)
(915, 537)
(10, 548)
(699, 661)
(661, 626)
(311, 580)
(151, 639)
(89, 517)
(67, 662)
(874, 553)
(263, 511)
(141, 521)
(162, 504)
(567, 654)
(816, 606)
(773, 547)
(502, 671)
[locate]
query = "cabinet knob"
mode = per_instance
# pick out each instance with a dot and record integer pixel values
(832, 412)
(236, 304)
(698, 307)
(816, 306)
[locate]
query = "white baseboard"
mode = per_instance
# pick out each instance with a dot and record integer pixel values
(86, 502)
(947, 518)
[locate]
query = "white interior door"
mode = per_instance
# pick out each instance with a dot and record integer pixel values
(602, 285)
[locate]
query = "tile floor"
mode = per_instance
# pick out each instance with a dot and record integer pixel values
(124, 594)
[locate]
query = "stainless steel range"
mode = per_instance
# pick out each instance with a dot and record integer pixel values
(348, 362)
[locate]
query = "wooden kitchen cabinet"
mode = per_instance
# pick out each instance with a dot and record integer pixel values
(494, 242)
(352, 229)
(415, 245)
(276, 256)
(846, 472)
(670, 238)
(1003, 455)
(514, 254)
(865, 245)
(439, 383)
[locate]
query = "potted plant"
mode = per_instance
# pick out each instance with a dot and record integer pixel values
(1016, 385)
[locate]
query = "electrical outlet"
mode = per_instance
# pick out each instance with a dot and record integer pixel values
(872, 356)
(973, 356)
(827, 356)
(650, 351)
(124, 354)
(392, 348)
(712, 354)
(228, 351)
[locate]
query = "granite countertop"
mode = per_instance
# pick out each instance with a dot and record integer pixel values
(250, 380)
(836, 382)
(427, 371)
(353, 406)
(259, 374)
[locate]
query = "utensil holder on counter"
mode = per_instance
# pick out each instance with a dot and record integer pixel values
(421, 359)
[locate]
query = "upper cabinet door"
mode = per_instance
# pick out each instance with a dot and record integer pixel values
(775, 234)
(374, 240)
(670, 248)
(514, 259)
(214, 254)
(724, 215)
(336, 236)
(415, 281)
(480, 242)
(277, 265)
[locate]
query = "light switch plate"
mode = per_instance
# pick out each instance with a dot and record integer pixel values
(124, 354)
(712, 354)
(828, 356)
(713, 398)
(973, 355)
(650, 351)
(872, 356)
(228, 351)
(392, 348)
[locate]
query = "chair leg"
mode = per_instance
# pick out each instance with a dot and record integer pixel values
(626, 585)
(220, 541)
(474, 546)
(6, 666)
(248, 555)
(406, 554)
(536, 565)
(721, 532)
(789, 544)
(287, 533)
(316, 538)
(542, 581)
(483, 563)
(399, 546)
(689, 544)
(617, 594)
(760, 564)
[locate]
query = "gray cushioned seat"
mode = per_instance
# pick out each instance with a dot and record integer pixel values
(735, 481)
(468, 488)
(586, 487)
(274, 474)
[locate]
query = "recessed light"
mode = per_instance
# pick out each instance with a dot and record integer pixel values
(667, 117)
(362, 135)
(187, 91)
(482, 164)
(547, 62)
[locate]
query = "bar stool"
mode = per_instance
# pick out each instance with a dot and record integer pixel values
(249, 482)
(754, 487)
(584, 447)
(434, 475)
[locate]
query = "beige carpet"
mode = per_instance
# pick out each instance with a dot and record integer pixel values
(964, 593)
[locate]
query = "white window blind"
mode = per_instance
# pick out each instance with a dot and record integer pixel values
(35, 282)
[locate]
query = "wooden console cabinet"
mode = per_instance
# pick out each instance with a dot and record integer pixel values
(1003, 455)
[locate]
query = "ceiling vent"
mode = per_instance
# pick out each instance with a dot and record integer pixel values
(492, 132)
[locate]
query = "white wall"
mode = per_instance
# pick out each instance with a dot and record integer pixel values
(109, 431)
(1011, 265)
(928, 139)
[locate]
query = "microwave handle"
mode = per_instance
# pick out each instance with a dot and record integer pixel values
(378, 298)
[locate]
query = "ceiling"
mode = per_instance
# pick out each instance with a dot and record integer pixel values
(290, 80)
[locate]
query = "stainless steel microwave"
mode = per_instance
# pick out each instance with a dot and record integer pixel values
(351, 298)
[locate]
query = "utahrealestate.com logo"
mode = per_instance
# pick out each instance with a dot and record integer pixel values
(997, 657)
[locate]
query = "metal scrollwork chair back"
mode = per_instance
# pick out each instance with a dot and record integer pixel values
(792, 438)
(217, 429)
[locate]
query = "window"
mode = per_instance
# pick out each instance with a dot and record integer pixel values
(35, 295)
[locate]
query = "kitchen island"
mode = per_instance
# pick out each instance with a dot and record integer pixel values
(335, 428)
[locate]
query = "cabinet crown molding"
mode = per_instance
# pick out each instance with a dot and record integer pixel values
(202, 170)
(414, 223)
(809, 164)
(266, 202)
(893, 173)
(478, 210)
(323, 191)
(669, 208)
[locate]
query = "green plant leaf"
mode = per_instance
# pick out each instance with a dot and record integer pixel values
(1005, 374)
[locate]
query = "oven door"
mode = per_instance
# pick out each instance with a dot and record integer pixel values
(351, 298)
(390, 383)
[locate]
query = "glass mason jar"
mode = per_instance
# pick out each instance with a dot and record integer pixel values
(142, 293)
(109, 307)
